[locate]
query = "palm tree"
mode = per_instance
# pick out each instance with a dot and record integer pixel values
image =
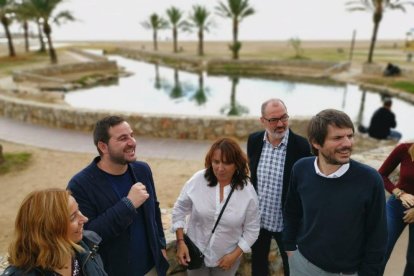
(199, 18)
(42, 48)
(44, 10)
(5, 11)
(377, 7)
(175, 15)
(155, 23)
(24, 13)
(237, 10)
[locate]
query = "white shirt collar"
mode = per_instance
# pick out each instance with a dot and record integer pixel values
(338, 173)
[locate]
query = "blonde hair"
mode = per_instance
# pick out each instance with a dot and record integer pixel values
(411, 151)
(41, 231)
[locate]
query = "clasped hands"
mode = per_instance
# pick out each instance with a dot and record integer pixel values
(225, 262)
(408, 202)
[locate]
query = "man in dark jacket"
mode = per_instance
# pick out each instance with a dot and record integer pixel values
(117, 194)
(382, 121)
(272, 153)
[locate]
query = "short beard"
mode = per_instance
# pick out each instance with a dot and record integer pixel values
(334, 161)
(275, 135)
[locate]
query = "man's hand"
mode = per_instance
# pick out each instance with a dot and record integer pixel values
(164, 253)
(138, 194)
(409, 216)
(290, 253)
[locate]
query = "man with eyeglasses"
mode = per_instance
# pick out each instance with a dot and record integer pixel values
(272, 153)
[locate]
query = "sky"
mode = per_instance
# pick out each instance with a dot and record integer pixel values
(273, 20)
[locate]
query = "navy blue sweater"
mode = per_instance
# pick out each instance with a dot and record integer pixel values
(338, 224)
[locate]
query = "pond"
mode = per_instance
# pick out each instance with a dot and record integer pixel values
(155, 89)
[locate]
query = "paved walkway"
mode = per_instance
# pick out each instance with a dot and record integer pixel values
(74, 141)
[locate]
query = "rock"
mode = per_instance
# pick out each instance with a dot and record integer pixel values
(1, 155)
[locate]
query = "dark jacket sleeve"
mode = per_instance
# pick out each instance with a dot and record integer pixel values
(376, 229)
(156, 207)
(292, 214)
(108, 216)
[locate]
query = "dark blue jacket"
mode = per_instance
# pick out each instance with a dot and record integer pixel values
(90, 261)
(297, 148)
(110, 217)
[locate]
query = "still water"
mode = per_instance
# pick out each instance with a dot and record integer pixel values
(162, 90)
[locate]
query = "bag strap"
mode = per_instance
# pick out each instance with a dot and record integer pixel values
(222, 210)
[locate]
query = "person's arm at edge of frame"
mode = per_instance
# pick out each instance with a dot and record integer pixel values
(389, 165)
(181, 208)
(376, 231)
(292, 215)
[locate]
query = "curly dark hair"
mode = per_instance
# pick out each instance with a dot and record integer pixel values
(231, 153)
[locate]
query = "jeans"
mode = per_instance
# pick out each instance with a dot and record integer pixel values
(394, 135)
(260, 253)
(395, 226)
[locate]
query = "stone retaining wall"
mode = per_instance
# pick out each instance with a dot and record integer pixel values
(378, 69)
(191, 64)
(150, 125)
(48, 73)
(264, 68)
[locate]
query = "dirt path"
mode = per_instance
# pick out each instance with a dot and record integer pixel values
(49, 168)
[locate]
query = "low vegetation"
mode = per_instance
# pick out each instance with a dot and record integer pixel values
(404, 85)
(15, 162)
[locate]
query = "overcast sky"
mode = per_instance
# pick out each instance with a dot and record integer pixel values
(274, 20)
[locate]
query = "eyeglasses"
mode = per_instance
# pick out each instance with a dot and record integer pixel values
(283, 119)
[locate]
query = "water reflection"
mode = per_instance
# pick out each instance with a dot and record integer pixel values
(234, 109)
(161, 90)
(200, 96)
(157, 84)
(177, 90)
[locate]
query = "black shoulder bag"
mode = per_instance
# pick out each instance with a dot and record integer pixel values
(196, 256)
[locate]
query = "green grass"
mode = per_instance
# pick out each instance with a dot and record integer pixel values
(15, 162)
(404, 85)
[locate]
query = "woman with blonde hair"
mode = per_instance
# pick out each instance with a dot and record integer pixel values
(400, 205)
(49, 238)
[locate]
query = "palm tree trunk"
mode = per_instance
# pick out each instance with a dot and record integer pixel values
(200, 42)
(41, 42)
(175, 39)
(373, 40)
(235, 38)
(26, 36)
(154, 38)
(5, 23)
(377, 19)
(47, 29)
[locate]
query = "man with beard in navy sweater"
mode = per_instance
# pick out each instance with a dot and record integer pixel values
(335, 221)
